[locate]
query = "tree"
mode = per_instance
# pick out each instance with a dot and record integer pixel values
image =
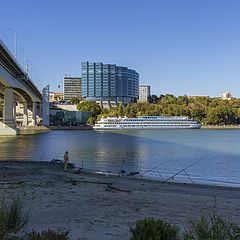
(120, 110)
(221, 115)
(75, 100)
(90, 106)
(198, 112)
(153, 99)
(183, 100)
(203, 109)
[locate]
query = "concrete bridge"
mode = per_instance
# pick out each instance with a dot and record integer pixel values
(16, 90)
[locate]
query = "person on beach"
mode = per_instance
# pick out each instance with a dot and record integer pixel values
(66, 159)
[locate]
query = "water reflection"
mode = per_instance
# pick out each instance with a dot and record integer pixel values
(162, 152)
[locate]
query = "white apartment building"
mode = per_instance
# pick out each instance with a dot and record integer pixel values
(144, 92)
(227, 96)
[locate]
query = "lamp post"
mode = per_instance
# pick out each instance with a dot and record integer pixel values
(24, 60)
(15, 42)
(28, 67)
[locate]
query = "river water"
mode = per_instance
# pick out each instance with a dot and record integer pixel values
(208, 156)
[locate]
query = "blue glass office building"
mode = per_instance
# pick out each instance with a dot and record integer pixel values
(108, 82)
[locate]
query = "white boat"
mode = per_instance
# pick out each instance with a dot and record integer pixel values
(146, 122)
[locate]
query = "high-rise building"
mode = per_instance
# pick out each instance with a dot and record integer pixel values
(144, 92)
(72, 88)
(109, 82)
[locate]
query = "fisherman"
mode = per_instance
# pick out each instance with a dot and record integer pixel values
(66, 159)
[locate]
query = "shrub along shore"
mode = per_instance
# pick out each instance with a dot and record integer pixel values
(92, 206)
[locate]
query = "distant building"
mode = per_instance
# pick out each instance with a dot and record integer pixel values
(109, 82)
(227, 96)
(67, 114)
(195, 96)
(56, 96)
(72, 88)
(144, 92)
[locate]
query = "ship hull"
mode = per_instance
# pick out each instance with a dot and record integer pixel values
(146, 128)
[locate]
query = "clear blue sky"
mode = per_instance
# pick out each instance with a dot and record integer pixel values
(177, 46)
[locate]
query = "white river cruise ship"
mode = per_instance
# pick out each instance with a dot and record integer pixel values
(146, 122)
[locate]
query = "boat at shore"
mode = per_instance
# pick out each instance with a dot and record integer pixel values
(146, 122)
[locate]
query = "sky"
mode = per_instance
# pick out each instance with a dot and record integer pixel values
(177, 46)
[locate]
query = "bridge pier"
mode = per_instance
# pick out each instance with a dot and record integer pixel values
(8, 126)
(25, 114)
(34, 114)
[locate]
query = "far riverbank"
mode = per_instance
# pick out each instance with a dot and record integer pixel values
(87, 127)
(220, 127)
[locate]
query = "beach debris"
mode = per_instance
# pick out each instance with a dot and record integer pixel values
(133, 173)
(16, 183)
(74, 182)
(110, 188)
(56, 161)
(77, 171)
(90, 182)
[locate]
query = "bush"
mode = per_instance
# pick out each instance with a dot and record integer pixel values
(12, 217)
(212, 226)
(47, 235)
(150, 229)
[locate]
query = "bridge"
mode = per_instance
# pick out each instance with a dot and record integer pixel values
(17, 91)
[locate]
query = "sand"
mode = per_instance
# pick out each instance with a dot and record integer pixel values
(93, 206)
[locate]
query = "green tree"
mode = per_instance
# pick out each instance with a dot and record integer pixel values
(221, 115)
(76, 100)
(170, 99)
(120, 110)
(153, 99)
(198, 113)
(183, 100)
(90, 106)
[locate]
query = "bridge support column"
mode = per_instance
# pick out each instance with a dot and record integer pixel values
(8, 110)
(8, 127)
(14, 111)
(25, 114)
(34, 114)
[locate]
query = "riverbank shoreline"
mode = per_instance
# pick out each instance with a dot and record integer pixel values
(28, 130)
(87, 127)
(94, 206)
(41, 129)
(220, 127)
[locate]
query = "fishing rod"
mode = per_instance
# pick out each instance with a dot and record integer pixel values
(157, 166)
(186, 168)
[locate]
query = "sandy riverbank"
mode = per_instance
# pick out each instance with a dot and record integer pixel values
(84, 205)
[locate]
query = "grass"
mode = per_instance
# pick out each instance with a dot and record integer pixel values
(210, 226)
(150, 229)
(12, 217)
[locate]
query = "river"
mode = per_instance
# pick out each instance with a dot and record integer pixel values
(209, 156)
